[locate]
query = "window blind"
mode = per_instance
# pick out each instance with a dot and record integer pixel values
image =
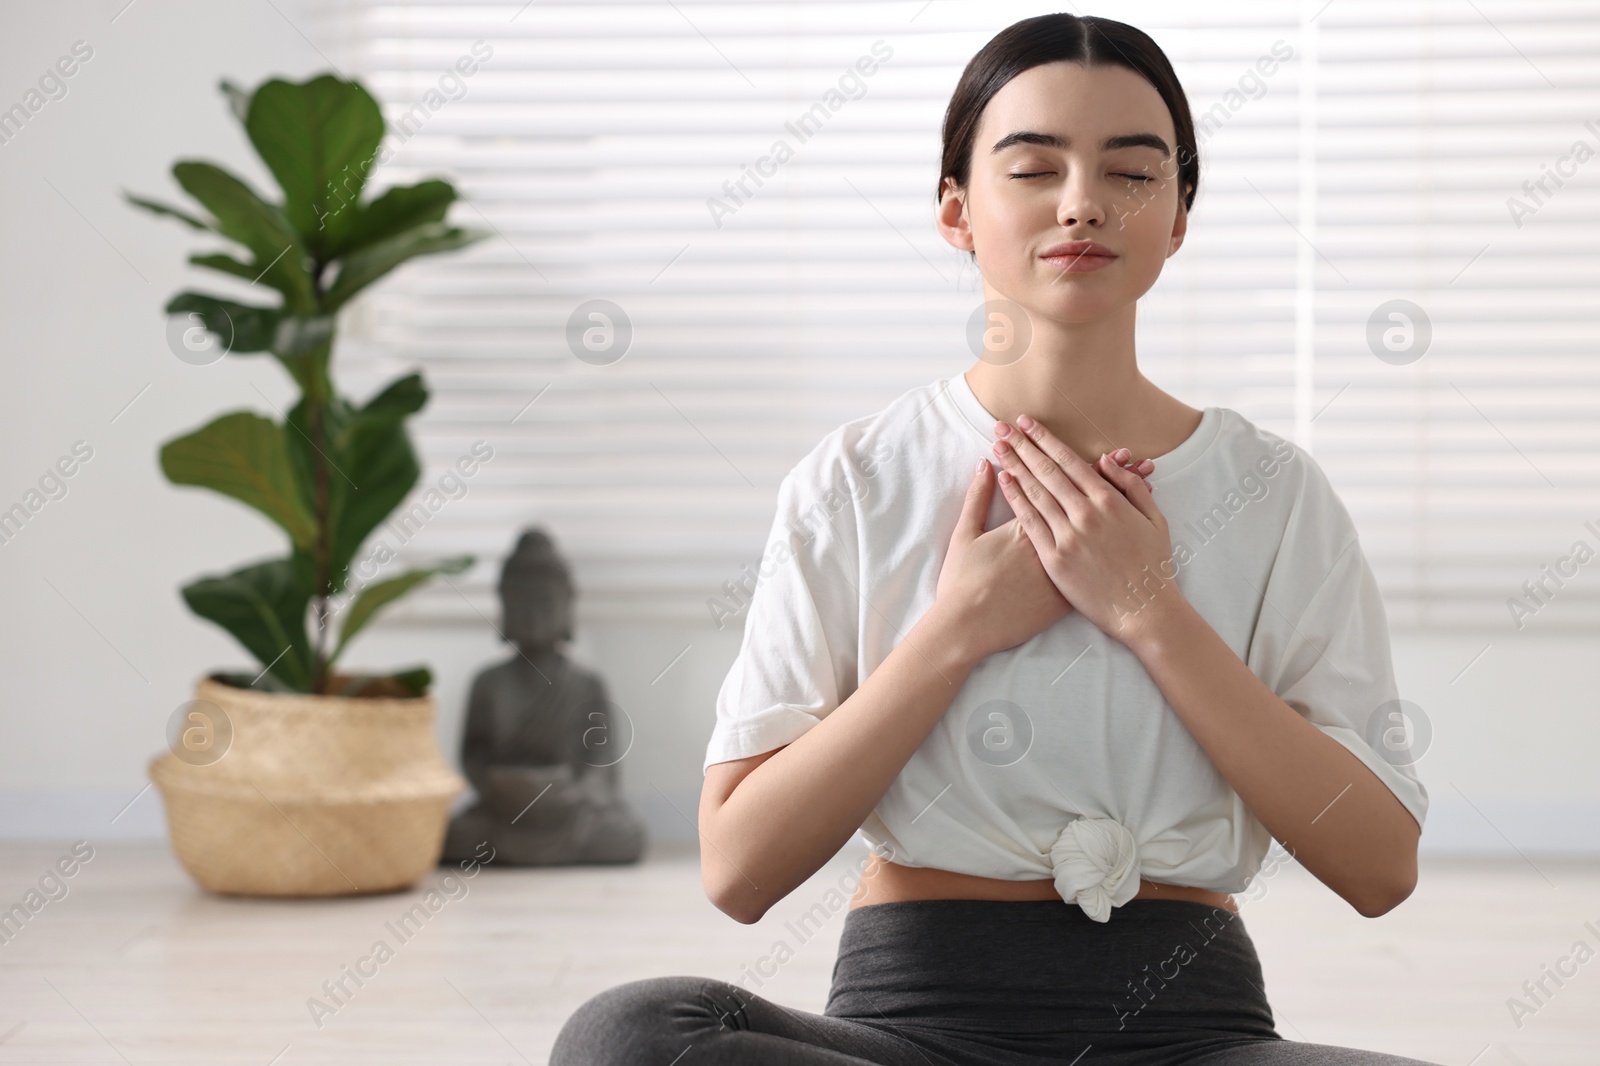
(1469, 464)
(628, 153)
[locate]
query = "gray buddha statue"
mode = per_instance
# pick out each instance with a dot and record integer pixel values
(542, 743)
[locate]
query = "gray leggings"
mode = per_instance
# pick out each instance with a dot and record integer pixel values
(977, 983)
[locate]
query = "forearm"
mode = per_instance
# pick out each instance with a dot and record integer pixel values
(1312, 794)
(798, 808)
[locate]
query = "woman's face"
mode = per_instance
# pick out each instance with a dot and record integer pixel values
(1041, 176)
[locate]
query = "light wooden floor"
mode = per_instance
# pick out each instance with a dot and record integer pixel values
(136, 965)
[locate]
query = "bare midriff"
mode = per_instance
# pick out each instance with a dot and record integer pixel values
(890, 882)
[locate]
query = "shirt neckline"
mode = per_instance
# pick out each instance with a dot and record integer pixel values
(978, 418)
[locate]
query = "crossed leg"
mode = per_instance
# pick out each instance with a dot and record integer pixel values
(656, 1020)
(1296, 1053)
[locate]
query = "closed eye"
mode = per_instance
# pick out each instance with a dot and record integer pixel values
(1043, 173)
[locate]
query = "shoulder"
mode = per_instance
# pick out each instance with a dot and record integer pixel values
(491, 678)
(859, 450)
(1265, 464)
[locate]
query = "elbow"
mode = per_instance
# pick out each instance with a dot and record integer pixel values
(744, 915)
(742, 906)
(729, 890)
(1390, 873)
(1379, 898)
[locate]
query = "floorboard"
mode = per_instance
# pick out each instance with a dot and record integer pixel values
(136, 965)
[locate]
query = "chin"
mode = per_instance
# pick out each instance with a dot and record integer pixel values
(1074, 308)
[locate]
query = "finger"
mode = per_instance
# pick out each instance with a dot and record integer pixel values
(1124, 458)
(1044, 468)
(1028, 516)
(1133, 488)
(975, 508)
(1140, 471)
(1079, 471)
(1144, 467)
(1049, 507)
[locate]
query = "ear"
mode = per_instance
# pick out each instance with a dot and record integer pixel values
(1180, 227)
(952, 216)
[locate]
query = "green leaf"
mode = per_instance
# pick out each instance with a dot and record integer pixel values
(318, 138)
(395, 211)
(238, 99)
(298, 334)
(371, 464)
(157, 208)
(378, 595)
(227, 264)
(380, 457)
(360, 269)
(244, 455)
(377, 450)
(242, 328)
(401, 684)
(264, 607)
(401, 397)
(417, 679)
(245, 329)
(244, 217)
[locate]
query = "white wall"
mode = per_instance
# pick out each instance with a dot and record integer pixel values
(97, 647)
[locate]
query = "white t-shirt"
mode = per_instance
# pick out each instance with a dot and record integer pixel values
(1060, 758)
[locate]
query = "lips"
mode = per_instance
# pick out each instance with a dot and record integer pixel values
(1078, 250)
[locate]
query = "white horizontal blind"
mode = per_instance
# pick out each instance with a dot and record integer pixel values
(1471, 468)
(593, 137)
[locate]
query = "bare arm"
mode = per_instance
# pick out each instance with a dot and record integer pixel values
(770, 821)
(1332, 813)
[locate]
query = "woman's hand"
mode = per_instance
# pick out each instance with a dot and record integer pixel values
(993, 582)
(1095, 527)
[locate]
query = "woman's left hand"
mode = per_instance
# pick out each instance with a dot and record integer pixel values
(1095, 526)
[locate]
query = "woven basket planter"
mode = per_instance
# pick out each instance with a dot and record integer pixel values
(315, 795)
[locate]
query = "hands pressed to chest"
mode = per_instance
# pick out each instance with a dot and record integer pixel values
(1086, 536)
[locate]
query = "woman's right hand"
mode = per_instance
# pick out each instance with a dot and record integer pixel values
(992, 583)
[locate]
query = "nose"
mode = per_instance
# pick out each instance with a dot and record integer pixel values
(1078, 203)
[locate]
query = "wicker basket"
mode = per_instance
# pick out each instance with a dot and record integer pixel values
(315, 796)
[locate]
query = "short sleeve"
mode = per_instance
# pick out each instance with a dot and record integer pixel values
(1332, 662)
(798, 656)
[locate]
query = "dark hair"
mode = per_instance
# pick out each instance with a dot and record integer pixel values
(1053, 38)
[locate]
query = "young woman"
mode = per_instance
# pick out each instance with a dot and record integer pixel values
(1068, 718)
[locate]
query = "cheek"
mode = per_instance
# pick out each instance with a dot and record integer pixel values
(1145, 216)
(1004, 229)
(1144, 228)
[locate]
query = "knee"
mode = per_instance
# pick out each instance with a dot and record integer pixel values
(649, 1021)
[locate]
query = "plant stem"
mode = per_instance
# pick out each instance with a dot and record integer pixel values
(322, 550)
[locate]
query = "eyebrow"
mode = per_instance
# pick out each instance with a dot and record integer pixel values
(1110, 144)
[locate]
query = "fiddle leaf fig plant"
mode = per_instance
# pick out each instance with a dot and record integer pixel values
(332, 469)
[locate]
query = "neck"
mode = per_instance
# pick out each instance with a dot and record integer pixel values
(537, 654)
(1082, 382)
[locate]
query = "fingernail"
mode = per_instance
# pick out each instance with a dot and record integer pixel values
(979, 468)
(1002, 429)
(1122, 455)
(1025, 422)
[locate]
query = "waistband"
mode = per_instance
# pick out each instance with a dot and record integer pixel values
(1016, 970)
(889, 882)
